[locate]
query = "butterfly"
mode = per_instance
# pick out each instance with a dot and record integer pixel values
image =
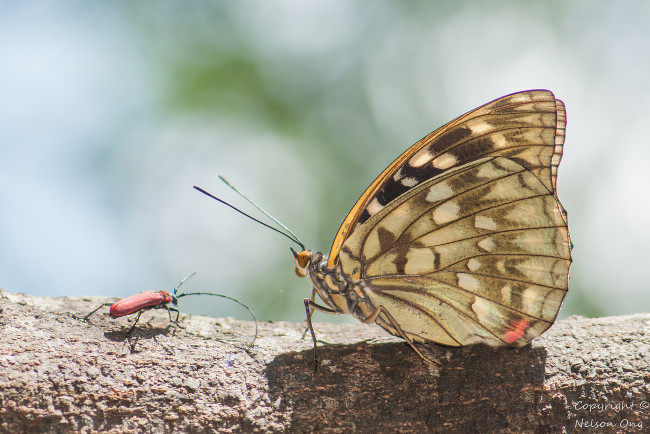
(462, 239)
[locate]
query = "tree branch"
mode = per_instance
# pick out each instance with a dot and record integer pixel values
(59, 373)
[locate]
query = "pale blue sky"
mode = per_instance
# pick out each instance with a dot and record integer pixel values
(98, 156)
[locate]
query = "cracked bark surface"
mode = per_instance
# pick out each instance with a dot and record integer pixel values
(61, 374)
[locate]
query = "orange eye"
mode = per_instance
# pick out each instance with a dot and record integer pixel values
(303, 258)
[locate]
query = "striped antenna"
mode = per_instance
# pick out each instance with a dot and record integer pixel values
(289, 233)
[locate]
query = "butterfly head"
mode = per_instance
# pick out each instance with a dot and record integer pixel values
(302, 260)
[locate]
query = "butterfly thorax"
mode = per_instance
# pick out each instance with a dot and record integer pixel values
(331, 285)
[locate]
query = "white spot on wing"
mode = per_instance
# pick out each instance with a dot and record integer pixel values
(420, 158)
(398, 175)
(468, 282)
(473, 264)
(499, 140)
(374, 207)
(529, 298)
(439, 191)
(445, 213)
(485, 222)
(419, 261)
(478, 126)
(481, 308)
(444, 161)
(487, 244)
(409, 182)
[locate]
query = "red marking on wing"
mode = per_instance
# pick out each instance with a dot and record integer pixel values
(516, 331)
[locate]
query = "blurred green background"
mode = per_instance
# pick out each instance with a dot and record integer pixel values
(111, 111)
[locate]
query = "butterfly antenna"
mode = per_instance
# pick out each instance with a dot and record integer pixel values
(295, 237)
(290, 234)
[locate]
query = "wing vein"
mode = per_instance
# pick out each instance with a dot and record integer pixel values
(429, 294)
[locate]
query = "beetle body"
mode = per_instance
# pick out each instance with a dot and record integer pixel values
(141, 301)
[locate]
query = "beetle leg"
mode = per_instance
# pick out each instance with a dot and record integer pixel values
(87, 316)
(133, 326)
(173, 309)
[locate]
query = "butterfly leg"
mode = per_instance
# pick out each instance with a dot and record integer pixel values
(381, 309)
(313, 300)
(310, 305)
(311, 310)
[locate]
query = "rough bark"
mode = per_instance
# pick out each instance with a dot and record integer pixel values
(61, 374)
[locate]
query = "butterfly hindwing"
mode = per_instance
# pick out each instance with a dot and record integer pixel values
(480, 253)
(526, 127)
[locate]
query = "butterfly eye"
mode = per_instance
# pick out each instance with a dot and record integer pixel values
(302, 260)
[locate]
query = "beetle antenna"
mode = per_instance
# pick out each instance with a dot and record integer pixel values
(229, 298)
(183, 281)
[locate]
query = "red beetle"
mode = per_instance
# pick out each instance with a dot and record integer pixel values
(140, 302)
(159, 300)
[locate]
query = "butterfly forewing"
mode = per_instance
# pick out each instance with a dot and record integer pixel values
(480, 253)
(527, 127)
